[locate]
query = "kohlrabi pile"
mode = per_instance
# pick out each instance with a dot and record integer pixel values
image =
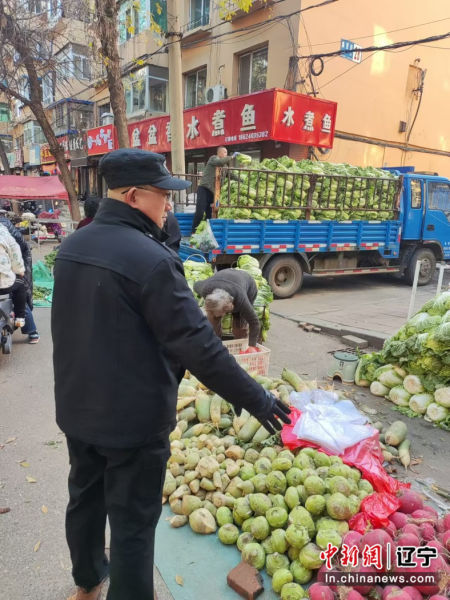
(281, 189)
(413, 368)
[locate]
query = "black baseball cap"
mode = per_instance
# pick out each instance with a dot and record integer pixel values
(133, 167)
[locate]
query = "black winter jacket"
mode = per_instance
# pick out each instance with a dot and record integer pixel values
(125, 326)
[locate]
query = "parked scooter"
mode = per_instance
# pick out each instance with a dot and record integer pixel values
(6, 323)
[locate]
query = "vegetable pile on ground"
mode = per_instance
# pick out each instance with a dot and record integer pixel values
(339, 191)
(413, 368)
(279, 509)
(50, 259)
(200, 411)
(394, 442)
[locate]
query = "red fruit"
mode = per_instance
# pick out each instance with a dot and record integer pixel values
(411, 528)
(446, 540)
(391, 529)
(447, 522)
(321, 577)
(438, 545)
(440, 526)
(438, 597)
(427, 532)
(408, 539)
(425, 514)
(410, 501)
(398, 595)
(381, 538)
(320, 592)
(388, 589)
(413, 593)
(437, 565)
(399, 519)
(354, 595)
(363, 589)
(352, 538)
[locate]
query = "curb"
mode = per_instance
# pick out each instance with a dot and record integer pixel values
(376, 339)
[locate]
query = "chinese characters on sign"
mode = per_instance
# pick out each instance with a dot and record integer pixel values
(378, 557)
(101, 140)
(267, 115)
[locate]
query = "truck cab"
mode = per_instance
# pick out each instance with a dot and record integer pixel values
(425, 221)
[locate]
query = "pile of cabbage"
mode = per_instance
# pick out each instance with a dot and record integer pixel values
(280, 510)
(197, 271)
(341, 191)
(413, 368)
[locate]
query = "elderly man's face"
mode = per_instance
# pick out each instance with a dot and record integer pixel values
(155, 203)
(222, 152)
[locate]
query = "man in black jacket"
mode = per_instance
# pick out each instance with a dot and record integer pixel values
(125, 326)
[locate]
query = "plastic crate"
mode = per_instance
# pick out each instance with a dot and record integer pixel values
(258, 362)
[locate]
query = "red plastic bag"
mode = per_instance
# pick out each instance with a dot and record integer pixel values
(365, 455)
(376, 510)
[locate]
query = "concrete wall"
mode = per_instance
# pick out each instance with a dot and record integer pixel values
(375, 95)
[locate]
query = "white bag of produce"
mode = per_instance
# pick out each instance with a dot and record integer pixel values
(329, 422)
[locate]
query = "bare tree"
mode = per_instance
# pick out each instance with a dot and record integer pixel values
(25, 56)
(107, 32)
(4, 158)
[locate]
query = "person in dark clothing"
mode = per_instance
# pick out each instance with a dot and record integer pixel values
(172, 229)
(231, 291)
(29, 328)
(91, 205)
(120, 295)
(205, 191)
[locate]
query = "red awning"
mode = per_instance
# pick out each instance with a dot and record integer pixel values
(19, 187)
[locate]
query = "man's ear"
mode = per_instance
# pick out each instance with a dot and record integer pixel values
(130, 197)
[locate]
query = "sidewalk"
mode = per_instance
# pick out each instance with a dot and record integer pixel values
(371, 307)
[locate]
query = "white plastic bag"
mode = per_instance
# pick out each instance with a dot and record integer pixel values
(328, 421)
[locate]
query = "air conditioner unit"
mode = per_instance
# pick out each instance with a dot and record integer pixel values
(216, 93)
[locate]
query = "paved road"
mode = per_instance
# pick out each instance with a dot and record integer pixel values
(376, 302)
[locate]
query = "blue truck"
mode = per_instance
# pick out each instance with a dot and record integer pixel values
(418, 229)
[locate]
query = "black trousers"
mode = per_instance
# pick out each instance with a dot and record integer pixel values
(125, 485)
(18, 296)
(205, 199)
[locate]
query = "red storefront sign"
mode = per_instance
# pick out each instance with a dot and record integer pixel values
(47, 157)
(268, 115)
(101, 140)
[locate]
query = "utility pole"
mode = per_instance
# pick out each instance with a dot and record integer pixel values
(174, 36)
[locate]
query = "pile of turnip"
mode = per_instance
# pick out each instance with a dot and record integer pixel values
(413, 525)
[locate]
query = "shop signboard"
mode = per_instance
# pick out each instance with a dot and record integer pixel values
(101, 140)
(268, 115)
(77, 144)
(47, 157)
(34, 156)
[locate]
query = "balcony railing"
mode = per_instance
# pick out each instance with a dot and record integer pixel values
(199, 22)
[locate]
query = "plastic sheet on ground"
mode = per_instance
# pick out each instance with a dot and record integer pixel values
(329, 421)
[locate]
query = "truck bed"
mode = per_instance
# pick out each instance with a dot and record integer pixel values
(269, 237)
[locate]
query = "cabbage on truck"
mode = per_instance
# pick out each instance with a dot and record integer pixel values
(327, 219)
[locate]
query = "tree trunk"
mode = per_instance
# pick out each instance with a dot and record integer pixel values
(107, 32)
(4, 158)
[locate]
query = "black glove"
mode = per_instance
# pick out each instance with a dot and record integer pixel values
(275, 408)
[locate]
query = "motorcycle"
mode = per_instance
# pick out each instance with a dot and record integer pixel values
(6, 323)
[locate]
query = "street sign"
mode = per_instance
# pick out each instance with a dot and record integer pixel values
(351, 51)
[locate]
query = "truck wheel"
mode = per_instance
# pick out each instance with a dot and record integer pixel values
(285, 276)
(427, 268)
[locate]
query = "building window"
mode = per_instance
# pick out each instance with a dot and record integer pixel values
(102, 110)
(416, 193)
(74, 61)
(81, 116)
(146, 89)
(32, 134)
(198, 13)
(48, 89)
(36, 7)
(24, 87)
(195, 87)
(253, 71)
(60, 115)
(439, 196)
(135, 17)
(4, 112)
